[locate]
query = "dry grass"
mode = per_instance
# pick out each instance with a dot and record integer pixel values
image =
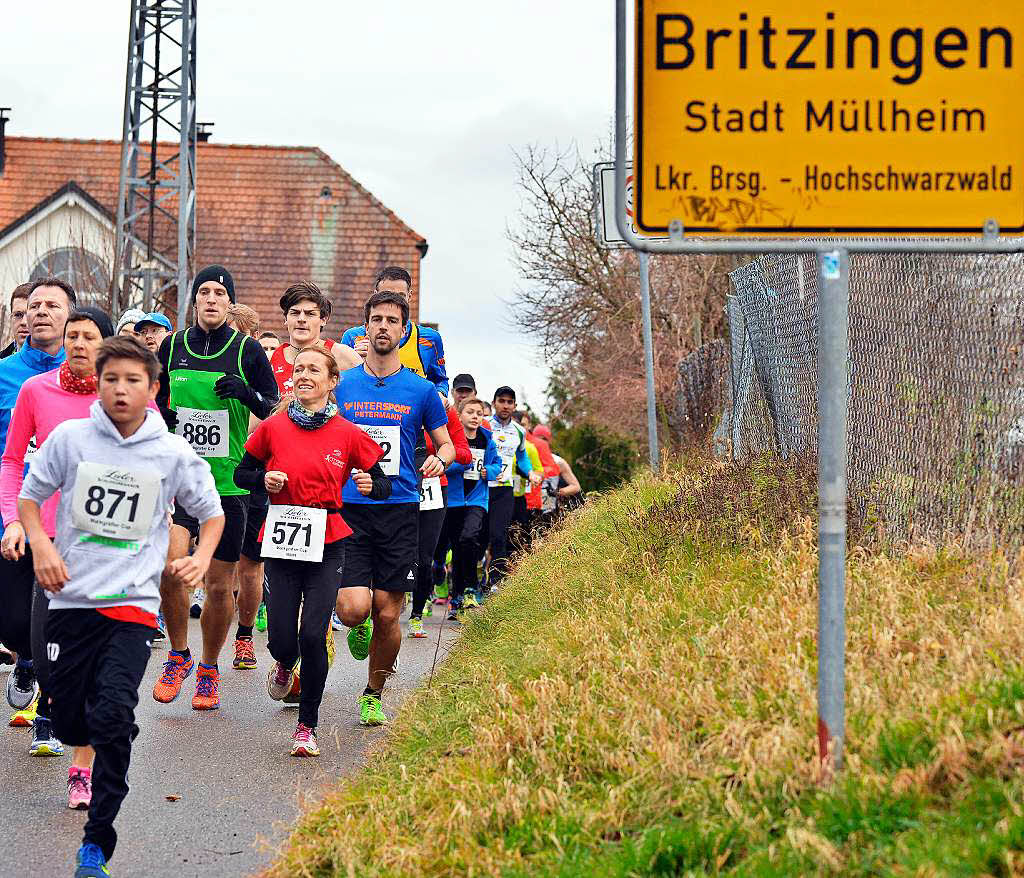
(640, 699)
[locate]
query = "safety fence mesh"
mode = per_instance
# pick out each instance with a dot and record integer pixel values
(936, 425)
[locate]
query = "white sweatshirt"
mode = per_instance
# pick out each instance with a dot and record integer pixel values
(113, 536)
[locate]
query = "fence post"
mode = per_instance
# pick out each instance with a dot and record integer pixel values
(645, 309)
(833, 349)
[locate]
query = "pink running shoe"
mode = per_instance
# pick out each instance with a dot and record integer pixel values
(304, 742)
(79, 788)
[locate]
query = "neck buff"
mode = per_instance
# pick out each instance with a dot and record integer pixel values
(307, 420)
(72, 383)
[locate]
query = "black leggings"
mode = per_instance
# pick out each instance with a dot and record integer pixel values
(313, 587)
(466, 528)
(40, 661)
(431, 524)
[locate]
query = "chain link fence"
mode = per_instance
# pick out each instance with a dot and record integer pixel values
(936, 427)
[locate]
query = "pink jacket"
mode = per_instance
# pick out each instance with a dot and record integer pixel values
(42, 405)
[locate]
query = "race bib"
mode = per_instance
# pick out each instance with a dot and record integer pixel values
(518, 485)
(112, 502)
(430, 494)
(295, 533)
(550, 494)
(31, 450)
(389, 439)
(508, 462)
(476, 471)
(206, 431)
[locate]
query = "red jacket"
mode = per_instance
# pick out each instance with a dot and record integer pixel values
(458, 436)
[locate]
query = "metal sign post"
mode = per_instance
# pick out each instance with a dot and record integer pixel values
(753, 142)
(833, 350)
(645, 308)
(604, 214)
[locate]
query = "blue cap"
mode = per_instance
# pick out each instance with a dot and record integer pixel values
(157, 318)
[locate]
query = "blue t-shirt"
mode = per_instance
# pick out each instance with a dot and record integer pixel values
(394, 414)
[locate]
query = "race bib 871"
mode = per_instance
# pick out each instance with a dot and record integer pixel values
(115, 503)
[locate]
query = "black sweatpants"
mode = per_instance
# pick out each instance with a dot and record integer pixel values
(313, 587)
(466, 527)
(501, 505)
(431, 525)
(96, 666)
(16, 581)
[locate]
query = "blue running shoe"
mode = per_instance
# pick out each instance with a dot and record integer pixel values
(91, 863)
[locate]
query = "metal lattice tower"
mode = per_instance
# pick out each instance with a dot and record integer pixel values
(156, 205)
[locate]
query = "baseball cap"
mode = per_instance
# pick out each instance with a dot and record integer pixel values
(463, 381)
(157, 318)
(504, 390)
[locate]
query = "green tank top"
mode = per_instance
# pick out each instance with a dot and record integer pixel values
(215, 428)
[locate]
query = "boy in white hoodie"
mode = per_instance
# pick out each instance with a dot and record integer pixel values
(117, 473)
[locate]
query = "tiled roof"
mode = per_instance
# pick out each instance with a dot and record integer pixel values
(273, 215)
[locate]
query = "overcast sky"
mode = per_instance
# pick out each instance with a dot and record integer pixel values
(423, 103)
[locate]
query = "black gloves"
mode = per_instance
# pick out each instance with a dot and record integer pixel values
(170, 417)
(233, 387)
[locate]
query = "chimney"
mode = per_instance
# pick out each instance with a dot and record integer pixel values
(3, 140)
(203, 131)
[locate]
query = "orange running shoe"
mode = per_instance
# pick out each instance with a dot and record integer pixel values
(245, 655)
(176, 669)
(207, 695)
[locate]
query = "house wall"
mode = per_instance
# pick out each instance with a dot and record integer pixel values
(67, 224)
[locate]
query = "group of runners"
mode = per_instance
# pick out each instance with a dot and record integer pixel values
(306, 484)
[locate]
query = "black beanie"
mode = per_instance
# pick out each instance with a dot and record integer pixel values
(216, 273)
(101, 319)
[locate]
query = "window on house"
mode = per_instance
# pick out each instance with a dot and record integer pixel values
(85, 271)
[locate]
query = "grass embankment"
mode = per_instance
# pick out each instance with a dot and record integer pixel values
(640, 699)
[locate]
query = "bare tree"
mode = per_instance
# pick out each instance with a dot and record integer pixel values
(582, 301)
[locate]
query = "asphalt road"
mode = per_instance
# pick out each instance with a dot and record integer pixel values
(239, 789)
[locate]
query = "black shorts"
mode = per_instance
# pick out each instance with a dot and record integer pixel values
(230, 545)
(384, 545)
(259, 505)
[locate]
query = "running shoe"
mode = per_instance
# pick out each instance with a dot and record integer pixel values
(79, 788)
(24, 718)
(440, 592)
(161, 630)
(245, 655)
(453, 615)
(470, 602)
(261, 618)
(304, 742)
(43, 741)
(279, 681)
(428, 608)
(416, 627)
(371, 711)
(6, 656)
(295, 693)
(22, 687)
(336, 623)
(91, 863)
(196, 609)
(207, 695)
(176, 671)
(359, 639)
